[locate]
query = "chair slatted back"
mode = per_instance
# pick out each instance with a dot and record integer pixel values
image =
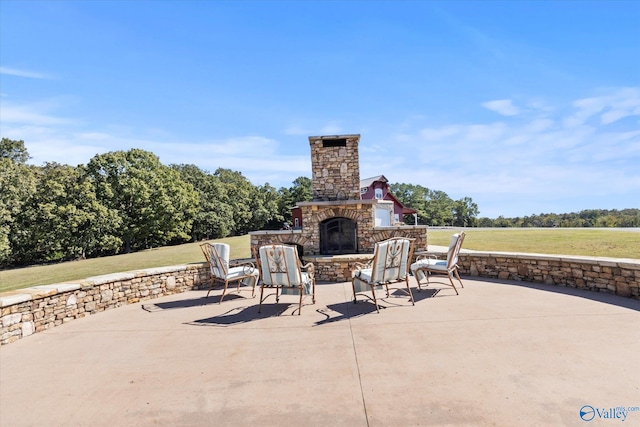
(280, 265)
(217, 255)
(391, 260)
(454, 249)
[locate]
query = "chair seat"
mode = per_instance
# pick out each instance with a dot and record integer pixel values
(235, 273)
(434, 264)
(362, 280)
(307, 285)
(364, 274)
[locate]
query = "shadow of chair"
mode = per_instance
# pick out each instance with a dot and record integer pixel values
(280, 269)
(389, 265)
(217, 256)
(425, 266)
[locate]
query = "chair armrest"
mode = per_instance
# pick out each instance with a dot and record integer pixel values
(248, 266)
(310, 269)
(361, 265)
(421, 257)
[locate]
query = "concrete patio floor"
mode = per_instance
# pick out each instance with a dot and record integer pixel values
(500, 353)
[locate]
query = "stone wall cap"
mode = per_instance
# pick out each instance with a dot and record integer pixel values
(352, 135)
(161, 270)
(7, 298)
(112, 277)
(259, 232)
(332, 258)
(343, 202)
(400, 227)
(629, 263)
(57, 287)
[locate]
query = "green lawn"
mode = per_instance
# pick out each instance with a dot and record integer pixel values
(583, 241)
(615, 243)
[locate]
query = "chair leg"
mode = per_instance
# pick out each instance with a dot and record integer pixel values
(211, 284)
(300, 303)
(261, 293)
(409, 290)
(458, 276)
(375, 300)
(224, 291)
(452, 284)
(353, 286)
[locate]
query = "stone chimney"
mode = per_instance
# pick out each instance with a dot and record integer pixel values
(335, 166)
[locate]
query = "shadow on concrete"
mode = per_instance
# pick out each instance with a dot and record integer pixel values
(603, 297)
(195, 302)
(241, 315)
(348, 310)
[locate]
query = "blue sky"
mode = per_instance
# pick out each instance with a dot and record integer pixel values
(526, 107)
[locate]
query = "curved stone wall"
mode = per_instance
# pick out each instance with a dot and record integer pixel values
(26, 311)
(618, 276)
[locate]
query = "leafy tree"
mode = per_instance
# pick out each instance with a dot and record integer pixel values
(439, 208)
(14, 150)
(465, 212)
(63, 219)
(264, 207)
(156, 207)
(215, 216)
(17, 184)
(415, 197)
(436, 207)
(300, 191)
(241, 192)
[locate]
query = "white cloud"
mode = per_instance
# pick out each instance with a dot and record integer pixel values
(608, 108)
(33, 114)
(502, 106)
(23, 73)
(533, 159)
(523, 163)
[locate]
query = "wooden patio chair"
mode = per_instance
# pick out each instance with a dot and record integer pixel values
(217, 255)
(281, 269)
(389, 265)
(423, 267)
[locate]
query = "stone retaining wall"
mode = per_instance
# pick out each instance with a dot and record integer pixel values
(27, 311)
(30, 310)
(613, 275)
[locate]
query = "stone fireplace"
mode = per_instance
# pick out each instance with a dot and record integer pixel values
(338, 228)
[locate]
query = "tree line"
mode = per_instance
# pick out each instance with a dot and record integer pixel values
(584, 218)
(124, 201)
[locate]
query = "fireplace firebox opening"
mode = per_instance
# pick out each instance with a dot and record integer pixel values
(334, 142)
(338, 236)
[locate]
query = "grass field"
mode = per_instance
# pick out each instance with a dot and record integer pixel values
(617, 243)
